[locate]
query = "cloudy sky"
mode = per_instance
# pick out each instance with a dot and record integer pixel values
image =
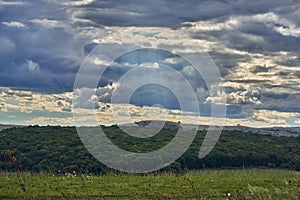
(255, 46)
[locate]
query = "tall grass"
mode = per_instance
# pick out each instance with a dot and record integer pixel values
(9, 154)
(205, 184)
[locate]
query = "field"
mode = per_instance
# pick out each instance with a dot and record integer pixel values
(204, 184)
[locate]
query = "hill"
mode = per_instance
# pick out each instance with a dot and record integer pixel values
(59, 150)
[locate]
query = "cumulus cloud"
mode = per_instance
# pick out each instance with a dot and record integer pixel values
(236, 96)
(254, 45)
(26, 107)
(28, 101)
(7, 92)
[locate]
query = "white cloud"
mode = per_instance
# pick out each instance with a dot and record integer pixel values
(273, 21)
(173, 60)
(66, 121)
(279, 24)
(189, 71)
(73, 3)
(19, 101)
(11, 3)
(15, 24)
(273, 117)
(230, 24)
(32, 66)
(28, 102)
(49, 23)
(154, 65)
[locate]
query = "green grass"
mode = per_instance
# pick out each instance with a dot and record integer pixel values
(205, 184)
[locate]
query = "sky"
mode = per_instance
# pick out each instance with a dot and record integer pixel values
(255, 45)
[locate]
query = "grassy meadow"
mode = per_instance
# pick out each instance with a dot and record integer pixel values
(204, 184)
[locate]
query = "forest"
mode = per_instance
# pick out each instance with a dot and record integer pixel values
(59, 150)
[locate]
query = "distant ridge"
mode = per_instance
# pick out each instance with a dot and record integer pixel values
(6, 126)
(275, 131)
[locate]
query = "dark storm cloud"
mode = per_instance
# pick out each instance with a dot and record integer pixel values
(27, 10)
(45, 56)
(58, 52)
(254, 37)
(227, 61)
(51, 50)
(169, 13)
(55, 51)
(297, 74)
(290, 62)
(281, 102)
(276, 95)
(152, 94)
(153, 13)
(250, 81)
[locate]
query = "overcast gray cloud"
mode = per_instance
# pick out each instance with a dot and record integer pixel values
(255, 45)
(173, 13)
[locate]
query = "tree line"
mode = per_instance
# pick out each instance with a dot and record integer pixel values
(59, 150)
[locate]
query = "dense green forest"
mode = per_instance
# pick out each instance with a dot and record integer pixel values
(58, 150)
